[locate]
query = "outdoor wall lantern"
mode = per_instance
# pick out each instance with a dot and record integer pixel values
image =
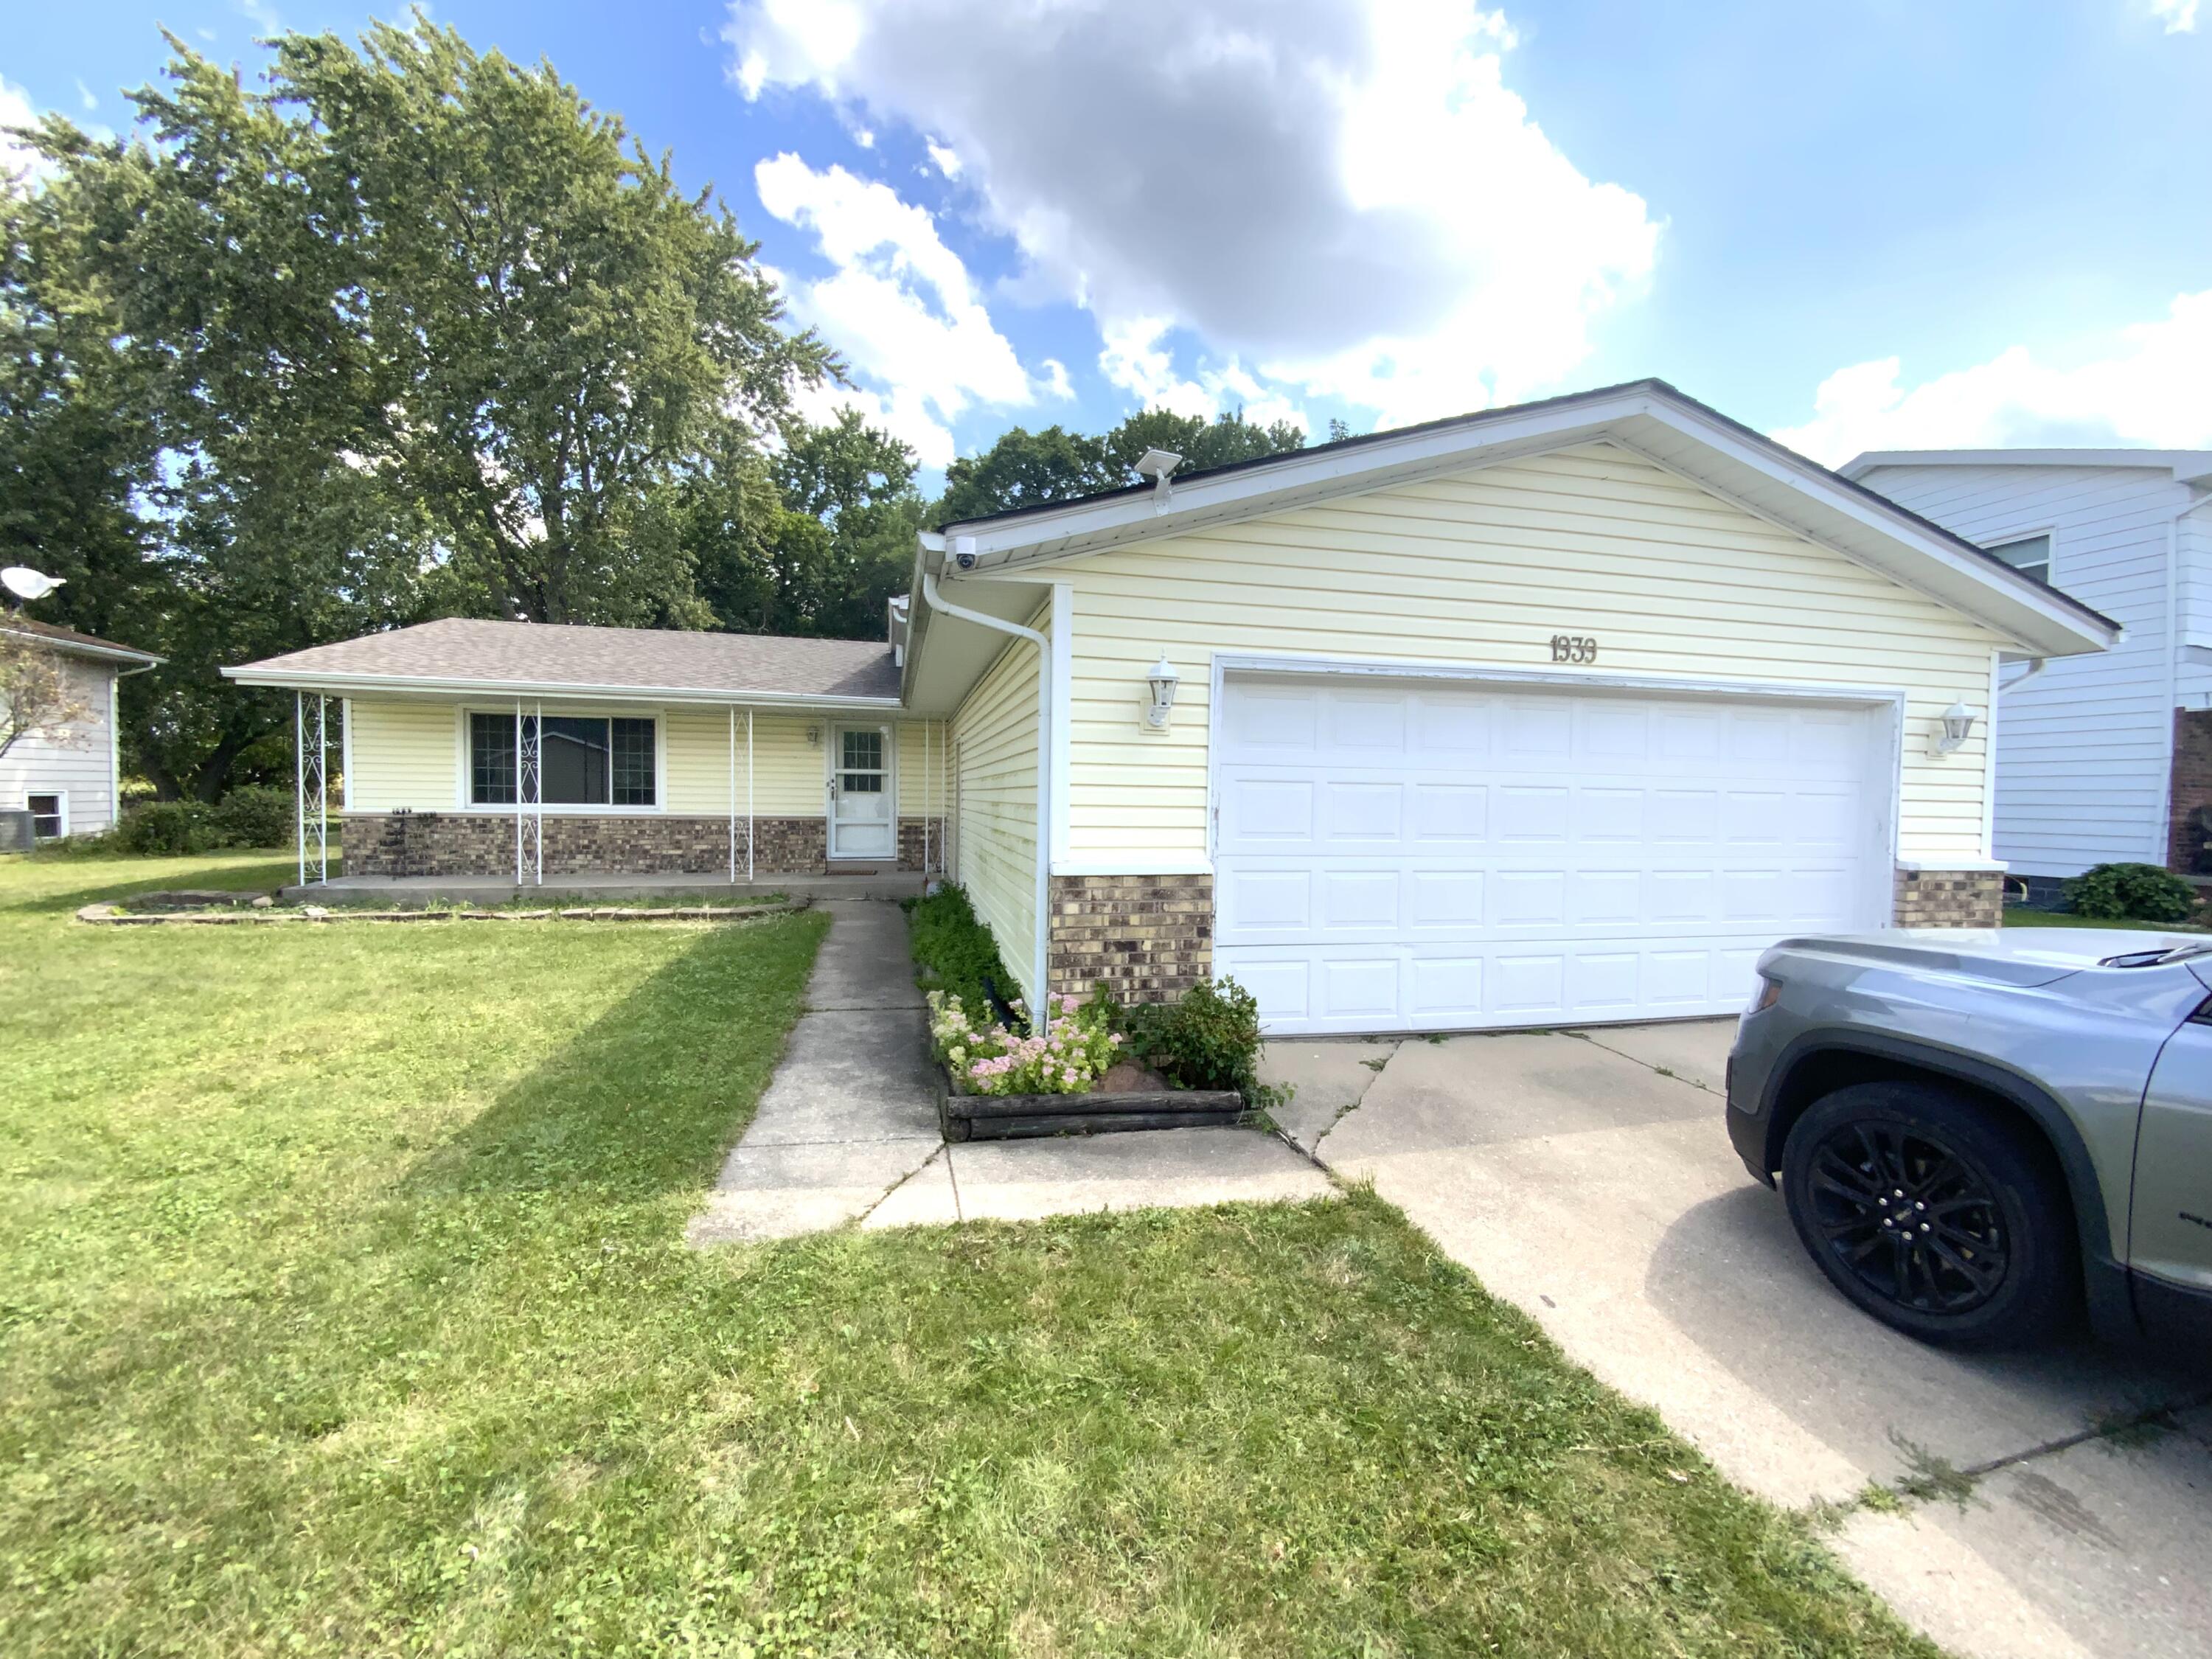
(813, 736)
(1957, 725)
(1162, 681)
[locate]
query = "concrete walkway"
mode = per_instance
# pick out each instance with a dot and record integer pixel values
(847, 1131)
(1588, 1177)
(852, 1111)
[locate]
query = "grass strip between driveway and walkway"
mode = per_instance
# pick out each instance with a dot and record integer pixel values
(344, 1308)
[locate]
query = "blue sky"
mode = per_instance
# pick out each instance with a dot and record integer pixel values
(1915, 223)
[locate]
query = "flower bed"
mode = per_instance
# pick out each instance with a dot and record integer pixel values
(1003, 1085)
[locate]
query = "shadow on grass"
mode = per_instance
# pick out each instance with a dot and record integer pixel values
(646, 1098)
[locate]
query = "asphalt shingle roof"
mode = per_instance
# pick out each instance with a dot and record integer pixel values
(64, 638)
(646, 659)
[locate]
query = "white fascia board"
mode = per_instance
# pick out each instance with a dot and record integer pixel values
(81, 648)
(2183, 464)
(359, 685)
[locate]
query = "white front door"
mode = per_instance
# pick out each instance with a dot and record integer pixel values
(1396, 856)
(861, 823)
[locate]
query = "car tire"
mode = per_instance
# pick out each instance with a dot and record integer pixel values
(1966, 1238)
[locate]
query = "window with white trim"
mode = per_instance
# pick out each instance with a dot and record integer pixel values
(583, 760)
(49, 816)
(2030, 556)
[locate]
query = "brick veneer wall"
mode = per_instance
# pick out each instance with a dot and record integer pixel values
(1949, 899)
(913, 843)
(2192, 788)
(483, 844)
(1150, 938)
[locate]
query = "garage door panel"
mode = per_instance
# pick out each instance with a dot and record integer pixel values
(1534, 812)
(1445, 899)
(1451, 725)
(1360, 900)
(1424, 857)
(1266, 813)
(1603, 983)
(1357, 813)
(1367, 723)
(1447, 813)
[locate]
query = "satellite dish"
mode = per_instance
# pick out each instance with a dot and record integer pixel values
(26, 583)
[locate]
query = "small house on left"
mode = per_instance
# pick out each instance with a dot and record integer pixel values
(66, 773)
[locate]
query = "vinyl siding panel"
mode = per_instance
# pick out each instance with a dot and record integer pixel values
(407, 752)
(994, 747)
(77, 761)
(2083, 749)
(1482, 568)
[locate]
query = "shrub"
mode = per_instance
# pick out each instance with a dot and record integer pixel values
(254, 815)
(2131, 892)
(1209, 1039)
(954, 953)
(167, 829)
(1080, 1043)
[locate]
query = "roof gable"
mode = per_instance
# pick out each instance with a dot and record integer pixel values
(1648, 417)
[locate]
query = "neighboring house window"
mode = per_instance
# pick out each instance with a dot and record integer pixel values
(2030, 556)
(49, 816)
(583, 760)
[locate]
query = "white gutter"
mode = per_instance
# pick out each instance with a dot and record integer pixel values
(102, 653)
(1041, 991)
(369, 684)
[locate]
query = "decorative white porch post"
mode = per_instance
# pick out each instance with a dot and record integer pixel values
(310, 786)
(529, 806)
(734, 793)
(749, 794)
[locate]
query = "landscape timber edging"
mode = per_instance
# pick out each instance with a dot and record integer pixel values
(965, 1116)
(110, 913)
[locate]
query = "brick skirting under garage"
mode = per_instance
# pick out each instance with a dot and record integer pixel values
(1950, 898)
(1149, 938)
(483, 844)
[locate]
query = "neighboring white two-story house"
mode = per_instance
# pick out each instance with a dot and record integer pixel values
(70, 780)
(2108, 757)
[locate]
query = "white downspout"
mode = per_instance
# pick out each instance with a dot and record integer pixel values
(1042, 990)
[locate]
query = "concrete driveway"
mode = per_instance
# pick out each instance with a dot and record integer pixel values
(1586, 1177)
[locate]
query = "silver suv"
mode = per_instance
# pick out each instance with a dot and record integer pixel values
(1978, 1134)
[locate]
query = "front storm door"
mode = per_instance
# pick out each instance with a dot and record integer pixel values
(860, 825)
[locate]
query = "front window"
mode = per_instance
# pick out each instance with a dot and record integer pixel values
(2030, 556)
(49, 816)
(588, 760)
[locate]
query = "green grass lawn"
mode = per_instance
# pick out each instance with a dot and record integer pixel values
(344, 1308)
(2019, 916)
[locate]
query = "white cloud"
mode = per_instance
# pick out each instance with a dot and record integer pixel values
(2146, 389)
(1055, 383)
(898, 303)
(1343, 198)
(2180, 15)
(84, 96)
(19, 162)
(947, 160)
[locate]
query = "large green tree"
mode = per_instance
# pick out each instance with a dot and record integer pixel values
(399, 330)
(1031, 468)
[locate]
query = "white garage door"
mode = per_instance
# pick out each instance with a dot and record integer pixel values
(1396, 856)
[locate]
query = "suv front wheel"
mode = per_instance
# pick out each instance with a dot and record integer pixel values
(1925, 1209)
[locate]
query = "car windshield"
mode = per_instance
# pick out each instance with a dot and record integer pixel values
(2155, 958)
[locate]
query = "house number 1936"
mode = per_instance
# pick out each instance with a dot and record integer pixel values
(1573, 648)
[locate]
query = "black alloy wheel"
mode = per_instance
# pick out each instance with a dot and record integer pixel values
(1913, 1219)
(1933, 1211)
